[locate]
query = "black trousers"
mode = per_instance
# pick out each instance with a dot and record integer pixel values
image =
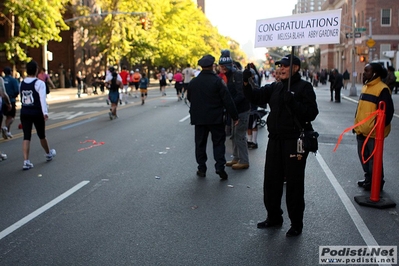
(283, 162)
(218, 135)
(337, 94)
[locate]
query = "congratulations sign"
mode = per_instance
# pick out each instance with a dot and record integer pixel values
(302, 29)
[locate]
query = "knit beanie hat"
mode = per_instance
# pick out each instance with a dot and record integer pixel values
(225, 59)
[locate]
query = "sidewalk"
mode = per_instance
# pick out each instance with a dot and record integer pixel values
(68, 94)
(345, 94)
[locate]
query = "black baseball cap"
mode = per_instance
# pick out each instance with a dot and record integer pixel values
(286, 60)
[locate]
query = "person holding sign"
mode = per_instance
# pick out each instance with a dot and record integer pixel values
(283, 159)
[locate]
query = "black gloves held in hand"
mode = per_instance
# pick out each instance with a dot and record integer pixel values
(246, 75)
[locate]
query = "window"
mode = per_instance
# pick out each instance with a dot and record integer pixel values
(2, 31)
(3, 57)
(385, 17)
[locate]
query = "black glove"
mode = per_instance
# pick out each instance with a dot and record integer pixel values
(289, 98)
(246, 75)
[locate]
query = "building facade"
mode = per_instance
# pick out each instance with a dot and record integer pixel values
(375, 26)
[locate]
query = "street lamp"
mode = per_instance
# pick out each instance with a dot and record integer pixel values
(353, 90)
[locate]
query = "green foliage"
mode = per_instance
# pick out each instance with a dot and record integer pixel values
(315, 59)
(38, 21)
(178, 33)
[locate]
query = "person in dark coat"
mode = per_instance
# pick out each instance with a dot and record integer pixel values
(284, 162)
(209, 96)
(337, 85)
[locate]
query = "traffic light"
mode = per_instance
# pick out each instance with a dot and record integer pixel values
(143, 23)
(363, 58)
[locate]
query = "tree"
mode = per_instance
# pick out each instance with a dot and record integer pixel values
(177, 32)
(315, 59)
(32, 24)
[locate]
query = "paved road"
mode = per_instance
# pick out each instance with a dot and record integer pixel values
(124, 192)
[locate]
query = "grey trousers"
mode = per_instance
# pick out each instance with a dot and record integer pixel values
(240, 146)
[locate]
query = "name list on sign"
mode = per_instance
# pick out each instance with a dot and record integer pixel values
(297, 31)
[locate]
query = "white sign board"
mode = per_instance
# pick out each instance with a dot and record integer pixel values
(301, 29)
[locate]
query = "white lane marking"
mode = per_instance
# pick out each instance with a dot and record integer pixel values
(350, 208)
(184, 118)
(42, 209)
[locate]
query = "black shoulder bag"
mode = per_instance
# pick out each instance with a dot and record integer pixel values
(307, 141)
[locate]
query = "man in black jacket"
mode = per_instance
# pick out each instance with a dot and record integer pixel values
(338, 83)
(209, 97)
(283, 160)
(239, 136)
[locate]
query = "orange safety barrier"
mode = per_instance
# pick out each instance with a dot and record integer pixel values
(379, 128)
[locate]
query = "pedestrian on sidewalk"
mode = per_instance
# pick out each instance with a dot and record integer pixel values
(43, 76)
(79, 81)
(337, 85)
(209, 97)
(346, 78)
(283, 160)
(397, 81)
(34, 112)
(373, 92)
(12, 89)
(331, 80)
(390, 79)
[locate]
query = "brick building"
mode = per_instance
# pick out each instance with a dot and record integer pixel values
(380, 18)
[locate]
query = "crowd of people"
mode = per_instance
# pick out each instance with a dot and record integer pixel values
(224, 100)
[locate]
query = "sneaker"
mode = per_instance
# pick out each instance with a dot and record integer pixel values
(9, 135)
(4, 132)
(252, 145)
(3, 156)
(50, 155)
(27, 165)
(239, 166)
(110, 115)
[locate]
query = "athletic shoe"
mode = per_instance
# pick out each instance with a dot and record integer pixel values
(9, 135)
(27, 165)
(252, 145)
(110, 115)
(50, 155)
(4, 132)
(3, 156)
